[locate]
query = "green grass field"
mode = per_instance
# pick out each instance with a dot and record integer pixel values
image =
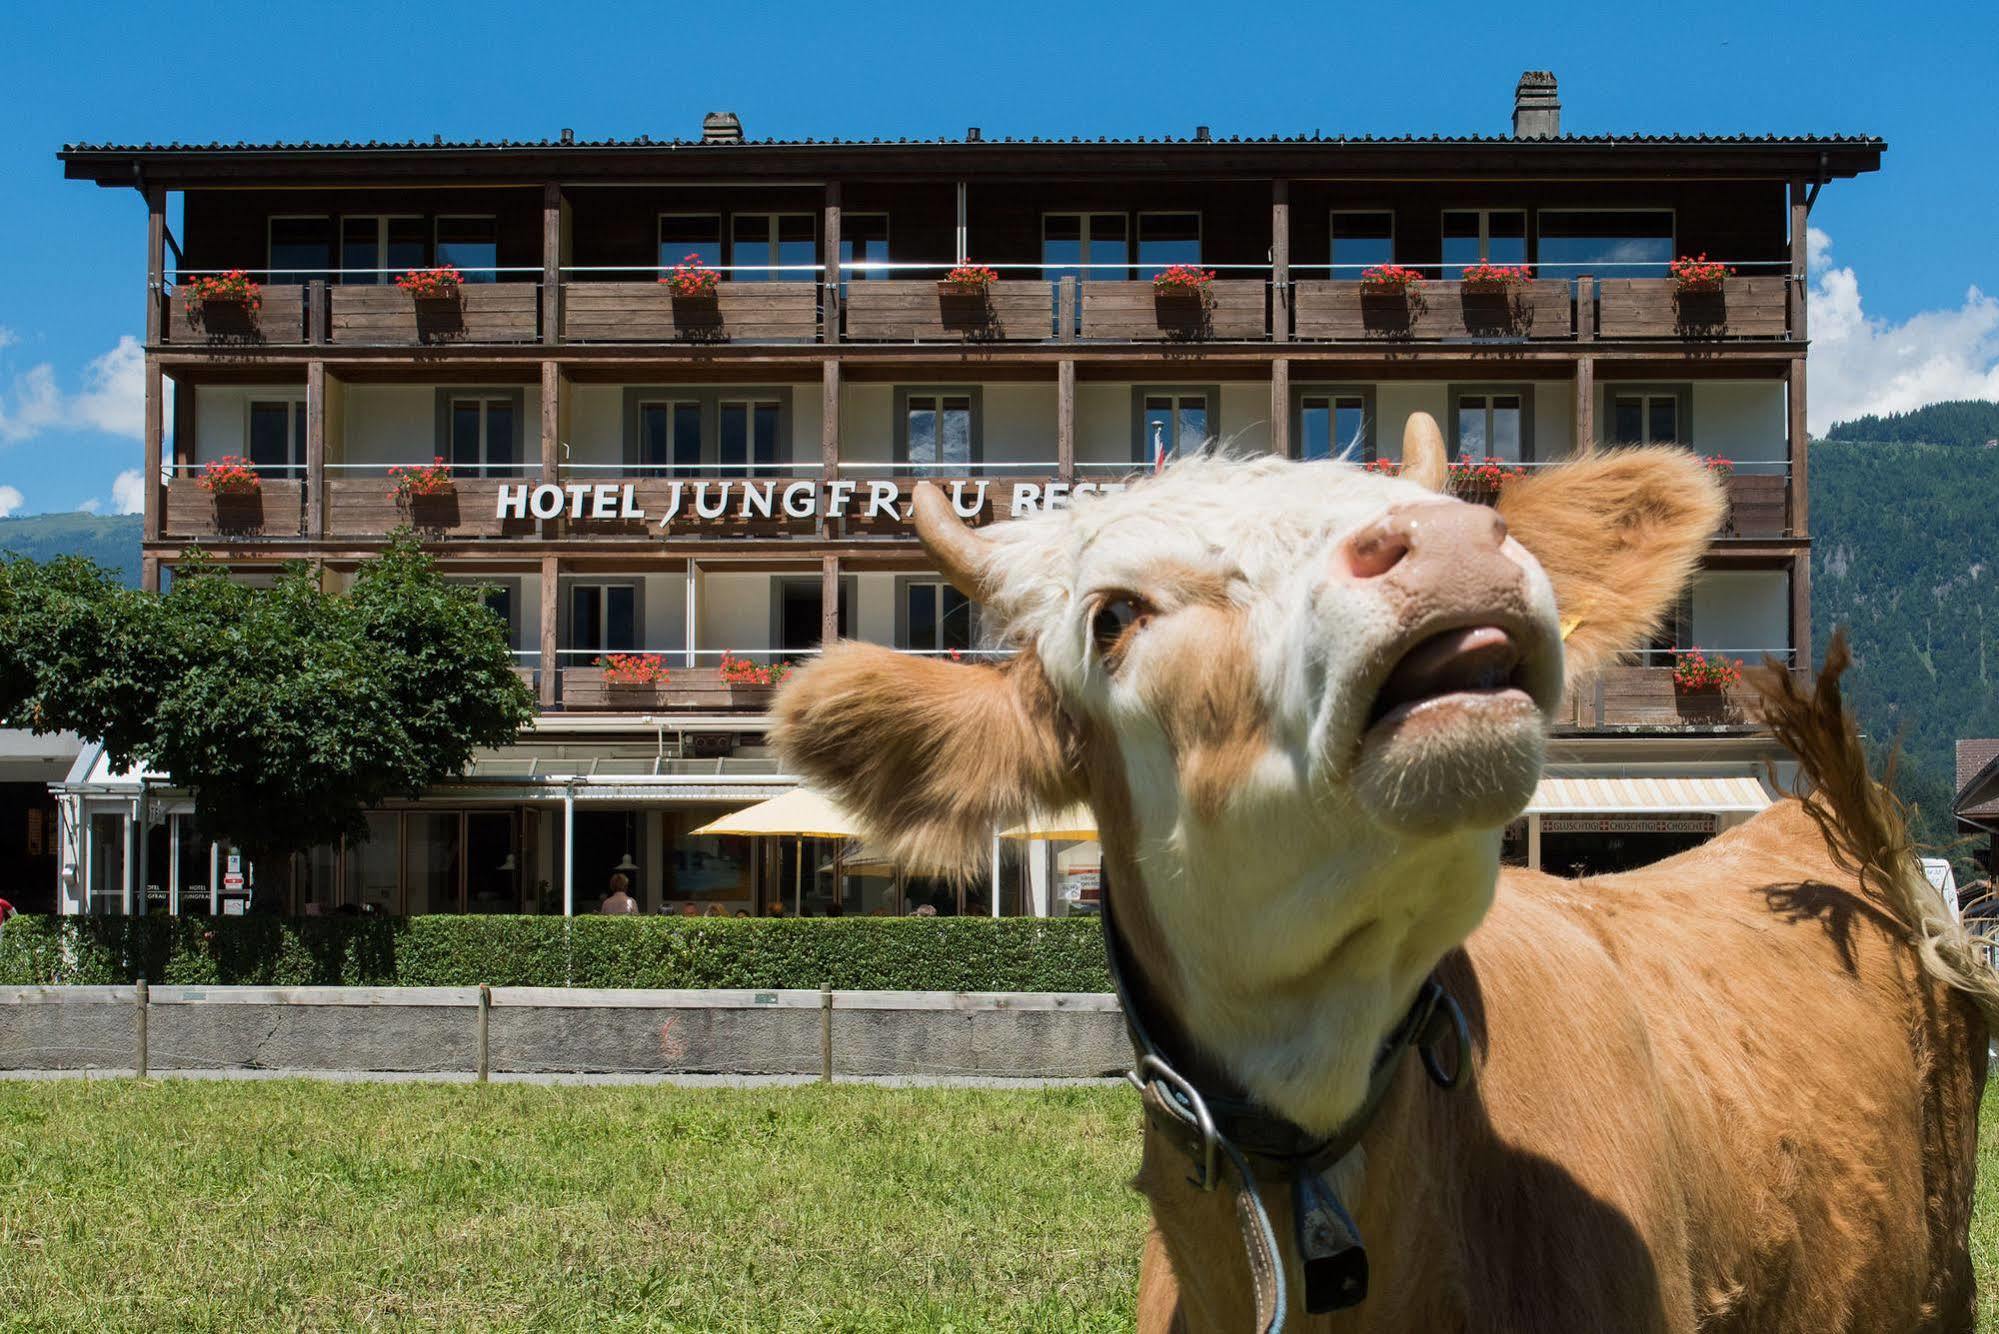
(211, 1206)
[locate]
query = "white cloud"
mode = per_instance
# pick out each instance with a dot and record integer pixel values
(91, 506)
(114, 394)
(128, 493)
(112, 400)
(1861, 365)
(11, 501)
(8, 337)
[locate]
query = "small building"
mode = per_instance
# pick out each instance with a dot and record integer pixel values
(29, 827)
(1976, 803)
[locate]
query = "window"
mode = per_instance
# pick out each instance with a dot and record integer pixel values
(503, 598)
(763, 241)
(797, 606)
(937, 430)
(1332, 423)
(747, 436)
(1361, 241)
(1649, 414)
(277, 435)
(1170, 421)
(1621, 243)
(481, 432)
(1070, 242)
(684, 234)
(712, 432)
(669, 439)
(603, 618)
(863, 244)
(1496, 236)
(301, 249)
(1492, 422)
(375, 250)
(932, 617)
(1165, 239)
(471, 245)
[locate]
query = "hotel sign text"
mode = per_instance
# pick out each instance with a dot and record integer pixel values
(776, 500)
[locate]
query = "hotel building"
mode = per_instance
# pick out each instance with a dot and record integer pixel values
(635, 471)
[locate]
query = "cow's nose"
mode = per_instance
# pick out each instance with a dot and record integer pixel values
(1428, 535)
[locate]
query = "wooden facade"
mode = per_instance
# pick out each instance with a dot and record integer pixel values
(578, 241)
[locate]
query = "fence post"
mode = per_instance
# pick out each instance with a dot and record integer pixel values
(142, 999)
(485, 1051)
(825, 1036)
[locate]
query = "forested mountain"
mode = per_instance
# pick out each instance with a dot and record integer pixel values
(110, 540)
(1905, 554)
(1965, 423)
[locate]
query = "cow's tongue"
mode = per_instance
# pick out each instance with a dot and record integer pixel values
(1481, 657)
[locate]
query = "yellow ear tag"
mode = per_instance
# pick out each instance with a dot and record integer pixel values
(1569, 624)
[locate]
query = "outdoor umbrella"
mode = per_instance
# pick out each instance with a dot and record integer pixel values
(1076, 824)
(798, 814)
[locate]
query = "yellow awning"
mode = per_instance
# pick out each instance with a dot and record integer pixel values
(1714, 794)
(799, 813)
(1076, 824)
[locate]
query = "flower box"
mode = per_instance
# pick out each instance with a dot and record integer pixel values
(1483, 277)
(440, 284)
(1182, 282)
(692, 280)
(230, 289)
(422, 481)
(634, 671)
(1388, 280)
(230, 475)
(1695, 672)
(1699, 276)
(967, 282)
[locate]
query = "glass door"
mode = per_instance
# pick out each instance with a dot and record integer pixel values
(1078, 245)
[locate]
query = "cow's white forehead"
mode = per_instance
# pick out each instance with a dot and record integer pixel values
(1252, 518)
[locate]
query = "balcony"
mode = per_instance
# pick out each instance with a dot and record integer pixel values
(1025, 306)
(1643, 697)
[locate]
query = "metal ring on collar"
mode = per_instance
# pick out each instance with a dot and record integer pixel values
(1460, 1038)
(1185, 1102)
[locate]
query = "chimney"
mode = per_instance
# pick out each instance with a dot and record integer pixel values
(721, 127)
(1536, 112)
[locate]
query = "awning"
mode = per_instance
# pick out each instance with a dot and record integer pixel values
(799, 813)
(1076, 824)
(1713, 794)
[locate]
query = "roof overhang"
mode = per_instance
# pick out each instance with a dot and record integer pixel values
(1744, 157)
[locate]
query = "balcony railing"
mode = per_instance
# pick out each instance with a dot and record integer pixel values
(788, 499)
(881, 302)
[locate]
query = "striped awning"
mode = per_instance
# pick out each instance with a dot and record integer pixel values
(1712, 793)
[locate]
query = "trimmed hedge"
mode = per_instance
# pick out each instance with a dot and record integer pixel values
(854, 953)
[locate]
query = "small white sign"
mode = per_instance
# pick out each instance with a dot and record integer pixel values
(233, 880)
(235, 863)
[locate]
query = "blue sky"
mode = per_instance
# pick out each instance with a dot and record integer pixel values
(1897, 323)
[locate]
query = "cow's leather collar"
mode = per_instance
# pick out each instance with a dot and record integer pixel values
(1210, 1118)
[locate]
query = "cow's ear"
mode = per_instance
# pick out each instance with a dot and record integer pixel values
(931, 757)
(1620, 535)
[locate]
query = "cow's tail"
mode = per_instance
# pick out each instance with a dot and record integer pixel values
(1865, 826)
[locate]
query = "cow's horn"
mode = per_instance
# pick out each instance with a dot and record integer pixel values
(1423, 452)
(960, 553)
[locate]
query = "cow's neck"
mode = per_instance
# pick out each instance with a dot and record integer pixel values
(1305, 1044)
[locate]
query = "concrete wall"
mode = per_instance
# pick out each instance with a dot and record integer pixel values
(437, 1030)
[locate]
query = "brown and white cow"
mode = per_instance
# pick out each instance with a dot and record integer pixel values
(1734, 1091)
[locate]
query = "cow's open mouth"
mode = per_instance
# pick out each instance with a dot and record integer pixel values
(1469, 664)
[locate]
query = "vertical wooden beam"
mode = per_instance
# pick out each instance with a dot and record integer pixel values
(551, 422)
(1801, 607)
(156, 261)
(1280, 261)
(1800, 230)
(551, 610)
(149, 573)
(1065, 419)
(1065, 310)
(829, 418)
(1585, 405)
(1799, 450)
(830, 302)
(829, 599)
(315, 449)
(1585, 308)
(154, 431)
(1280, 407)
(551, 263)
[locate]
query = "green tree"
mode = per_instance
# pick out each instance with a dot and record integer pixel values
(288, 711)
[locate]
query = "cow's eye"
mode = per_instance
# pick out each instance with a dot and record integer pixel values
(1116, 616)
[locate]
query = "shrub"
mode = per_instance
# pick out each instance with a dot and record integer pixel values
(857, 953)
